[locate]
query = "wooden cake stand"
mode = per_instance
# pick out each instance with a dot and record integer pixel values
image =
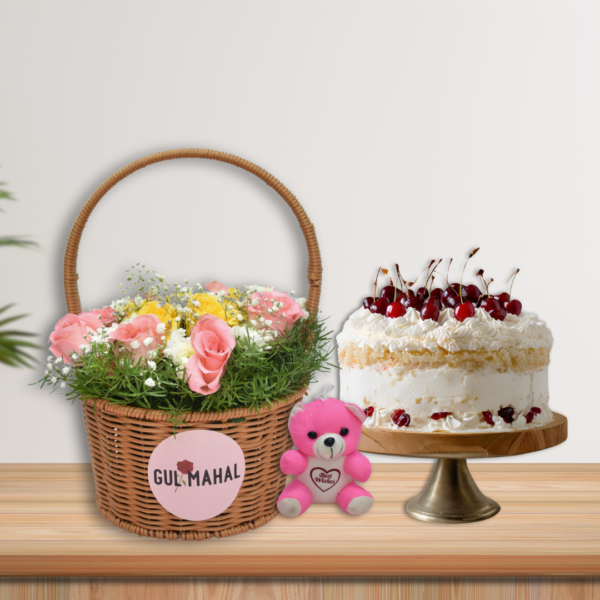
(451, 495)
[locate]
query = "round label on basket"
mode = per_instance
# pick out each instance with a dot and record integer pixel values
(196, 475)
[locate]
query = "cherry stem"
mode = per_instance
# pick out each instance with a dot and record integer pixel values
(375, 285)
(400, 276)
(448, 273)
(473, 253)
(421, 273)
(432, 271)
(513, 276)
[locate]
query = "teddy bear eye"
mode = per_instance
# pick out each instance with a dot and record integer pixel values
(312, 435)
(344, 431)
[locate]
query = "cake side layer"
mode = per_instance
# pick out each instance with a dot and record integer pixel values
(501, 361)
(464, 394)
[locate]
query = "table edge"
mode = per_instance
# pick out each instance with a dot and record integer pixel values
(301, 566)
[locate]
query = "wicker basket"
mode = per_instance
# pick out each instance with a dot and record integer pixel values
(121, 438)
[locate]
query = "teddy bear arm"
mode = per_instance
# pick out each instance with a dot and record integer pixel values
(293, 462)
(358, 466)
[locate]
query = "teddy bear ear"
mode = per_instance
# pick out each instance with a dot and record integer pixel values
(297, 408)
(357, 412)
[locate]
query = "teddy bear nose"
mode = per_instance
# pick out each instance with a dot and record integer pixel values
(329, 442)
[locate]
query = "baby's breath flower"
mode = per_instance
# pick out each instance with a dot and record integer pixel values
(240, 318)
(58, 360)
(50, 358)
(148, 341)
(135, 344)
(161, 278)
(46, 373)
(160, 328)
(49, 365)
(150, 382)
(53, 380)
(151, 364)
(63, 385)
(269, 322)
(66, 370)
(293, 292)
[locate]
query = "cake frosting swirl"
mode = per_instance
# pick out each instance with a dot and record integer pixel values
(410, 333)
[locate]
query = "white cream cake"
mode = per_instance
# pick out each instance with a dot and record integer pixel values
(446, 375)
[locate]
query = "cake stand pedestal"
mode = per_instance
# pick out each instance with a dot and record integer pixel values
(451, 495)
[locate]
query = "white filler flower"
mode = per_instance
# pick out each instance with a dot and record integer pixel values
(150, 382)
(179, 348)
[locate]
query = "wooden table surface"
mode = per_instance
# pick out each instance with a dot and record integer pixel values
(549, 525)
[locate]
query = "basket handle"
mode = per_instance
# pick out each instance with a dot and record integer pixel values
(315, 268)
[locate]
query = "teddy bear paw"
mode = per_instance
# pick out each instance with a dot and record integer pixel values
(289, 507)
(359, 505)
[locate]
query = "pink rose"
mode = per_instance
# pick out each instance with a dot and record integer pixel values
(68, 335)
(216, 286)
(139, 336)
(98, 317)
(213, 342)
(285, 316)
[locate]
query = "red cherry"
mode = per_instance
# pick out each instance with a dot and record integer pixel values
(471, 293)
(430, 311)
(487, 417)
(490, 304)
(435, 301)
(411, 292)
(464, 311)
(514, 307)
(450, 299)
(529, 416)
(437, 292)
(396, 415)
(367, 302)
(369, 411)
(395, 310)
(422, 291)
(440, 415)
(455, 287)
(536, 410)
(499, 314)
(507, 414)
(379, 306)
(390, 292)
(502, 298)
(413, 302)
(404, 420)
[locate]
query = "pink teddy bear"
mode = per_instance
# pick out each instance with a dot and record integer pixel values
(326, 433)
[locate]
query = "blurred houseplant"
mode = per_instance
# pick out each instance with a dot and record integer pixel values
(13, 342)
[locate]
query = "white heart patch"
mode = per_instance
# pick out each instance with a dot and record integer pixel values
(323, 479)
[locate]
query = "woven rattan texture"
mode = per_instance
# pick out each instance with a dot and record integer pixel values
(314, 256)
(121, 439)
(121, 445)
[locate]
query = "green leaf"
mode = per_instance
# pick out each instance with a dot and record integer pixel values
(12, 345)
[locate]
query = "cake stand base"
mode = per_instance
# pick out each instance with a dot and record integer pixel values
(451, 496)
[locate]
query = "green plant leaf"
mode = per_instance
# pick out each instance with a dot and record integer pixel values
(12, 344)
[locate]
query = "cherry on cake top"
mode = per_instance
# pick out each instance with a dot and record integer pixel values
(429, 300)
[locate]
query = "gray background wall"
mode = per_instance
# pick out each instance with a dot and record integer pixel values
(408, 130)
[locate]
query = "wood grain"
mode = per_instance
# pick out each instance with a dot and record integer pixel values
(300, 589)
(549, 526)
(405, 442)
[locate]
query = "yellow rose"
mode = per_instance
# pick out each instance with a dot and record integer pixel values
(203, 304)
(165, 312)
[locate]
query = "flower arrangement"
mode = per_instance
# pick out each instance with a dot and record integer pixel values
(181, 348)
